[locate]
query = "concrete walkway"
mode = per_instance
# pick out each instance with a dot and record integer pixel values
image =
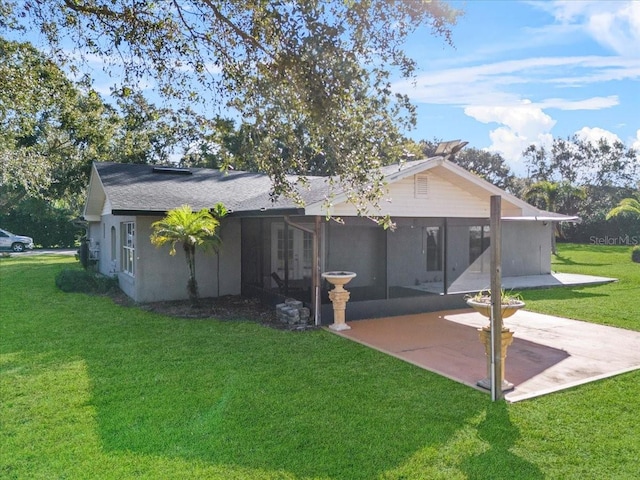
(548, 353)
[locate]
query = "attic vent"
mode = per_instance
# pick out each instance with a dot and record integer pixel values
(421, 186)
(172, 170)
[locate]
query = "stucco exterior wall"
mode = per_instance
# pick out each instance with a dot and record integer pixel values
(160, 276)
(526, 248)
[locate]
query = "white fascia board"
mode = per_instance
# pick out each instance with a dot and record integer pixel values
(95, 197)
(543, 218)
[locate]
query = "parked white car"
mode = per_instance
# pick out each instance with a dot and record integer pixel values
(16, 243)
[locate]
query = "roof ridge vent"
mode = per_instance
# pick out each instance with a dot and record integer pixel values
(172, 170)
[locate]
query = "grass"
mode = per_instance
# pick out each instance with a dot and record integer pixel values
(90, 389)
(616, 304)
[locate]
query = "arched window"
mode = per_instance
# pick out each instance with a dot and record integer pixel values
(113, 244)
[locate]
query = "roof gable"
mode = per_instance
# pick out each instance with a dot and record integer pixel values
(134, 188)
(454, 191)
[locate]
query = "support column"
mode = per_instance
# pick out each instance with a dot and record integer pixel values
(339, 297)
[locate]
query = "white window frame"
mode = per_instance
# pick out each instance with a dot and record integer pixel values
(128, 263)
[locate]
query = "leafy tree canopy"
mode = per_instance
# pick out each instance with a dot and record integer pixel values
(309, 79)
(626, 207)
(581, 162)
(52, 129)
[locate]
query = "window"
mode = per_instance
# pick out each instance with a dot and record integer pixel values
(479, 240)
(281, 250)
(113, 244)
(300, 252)
(307, 255)
(434, 249)
(129, 248)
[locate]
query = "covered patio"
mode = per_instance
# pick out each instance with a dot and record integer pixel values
(548, 353)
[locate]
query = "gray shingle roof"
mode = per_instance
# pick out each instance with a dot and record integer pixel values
(142, 188)
(137, 188)
(132, 187)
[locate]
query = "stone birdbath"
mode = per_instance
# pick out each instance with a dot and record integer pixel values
(339, 297)
(509, 305)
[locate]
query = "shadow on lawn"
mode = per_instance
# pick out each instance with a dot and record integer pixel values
(562, 293)
(562, 260)
(269, 402)
(498, 462)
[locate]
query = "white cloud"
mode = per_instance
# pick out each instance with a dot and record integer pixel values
(593, 103)
(517, 97)
(613, 24)
(594, 135)
(636, 143)
(490, 83)
(522, 125)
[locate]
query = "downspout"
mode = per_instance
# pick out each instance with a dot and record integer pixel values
(315, 266)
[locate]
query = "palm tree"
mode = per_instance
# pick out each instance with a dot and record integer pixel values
(553, 196)
(628, 207)
(191, 229)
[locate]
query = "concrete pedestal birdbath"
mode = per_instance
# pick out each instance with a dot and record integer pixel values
(508, 307)
(339, 297)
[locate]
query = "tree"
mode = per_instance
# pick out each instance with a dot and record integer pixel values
(629, 207)
(555, 197)
(192, 230)
(51, 129)
(581, 162)
(304, 75)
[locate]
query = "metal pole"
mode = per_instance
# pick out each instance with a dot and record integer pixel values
(316, 276)
(315, 267)
(286, 258)
(496, 294)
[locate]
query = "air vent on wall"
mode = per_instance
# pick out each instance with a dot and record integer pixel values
(172, 170)
(421, 186)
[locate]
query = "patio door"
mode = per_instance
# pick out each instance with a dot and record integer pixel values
(479, 240)
(299, 248)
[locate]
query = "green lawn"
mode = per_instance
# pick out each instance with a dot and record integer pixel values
(616, 304)
(90, 389)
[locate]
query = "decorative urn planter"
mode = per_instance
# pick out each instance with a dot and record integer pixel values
(339, 297)
(484, 307)
(481, 303)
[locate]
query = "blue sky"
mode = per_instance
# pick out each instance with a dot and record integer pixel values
(520, 73)
(523, 72)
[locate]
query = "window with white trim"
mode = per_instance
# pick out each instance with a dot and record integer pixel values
(129, 248)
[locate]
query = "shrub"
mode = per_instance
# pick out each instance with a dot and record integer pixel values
(85, 281)
(635, 254)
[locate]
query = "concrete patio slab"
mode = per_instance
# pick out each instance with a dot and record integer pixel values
(474, 281)
(548, 353)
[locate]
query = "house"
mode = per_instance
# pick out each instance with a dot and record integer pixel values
(438, 251)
